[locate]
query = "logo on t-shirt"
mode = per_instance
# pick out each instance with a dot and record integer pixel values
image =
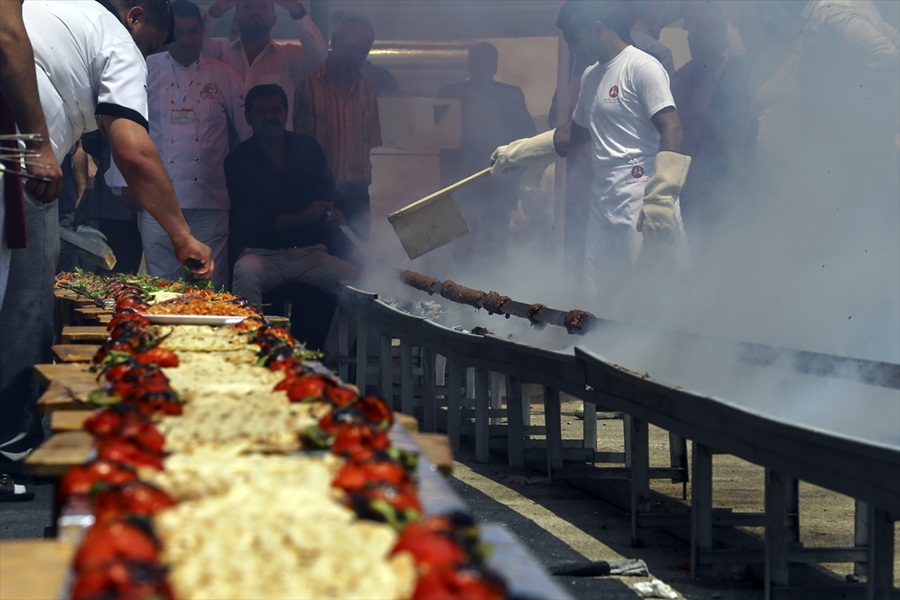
(614, 91)
(209, 92)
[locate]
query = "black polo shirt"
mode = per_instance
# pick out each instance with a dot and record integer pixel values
(260, 192)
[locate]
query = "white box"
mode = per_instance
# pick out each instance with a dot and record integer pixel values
(419, 123)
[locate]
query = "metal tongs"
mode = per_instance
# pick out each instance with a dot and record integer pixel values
(20, 155)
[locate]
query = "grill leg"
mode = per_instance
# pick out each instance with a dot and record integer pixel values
(429, 393)
(516, 422)
(454, 402)
(640, 475)
(701, 507)
(482, 421)
(553, 420)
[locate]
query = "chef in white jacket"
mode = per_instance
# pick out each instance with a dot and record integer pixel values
(627, 111)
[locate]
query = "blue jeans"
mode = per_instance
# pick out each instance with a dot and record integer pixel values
(27, 331)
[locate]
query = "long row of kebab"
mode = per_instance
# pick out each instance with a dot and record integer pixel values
(227, 465)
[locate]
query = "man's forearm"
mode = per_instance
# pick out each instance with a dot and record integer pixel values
(17, 74)
(18, 84)
(138, 160)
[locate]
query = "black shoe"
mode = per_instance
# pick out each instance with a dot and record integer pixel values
(10, 491)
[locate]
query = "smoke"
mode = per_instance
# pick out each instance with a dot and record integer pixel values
(795, 233)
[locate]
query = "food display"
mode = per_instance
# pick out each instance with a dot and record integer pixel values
(227, 464)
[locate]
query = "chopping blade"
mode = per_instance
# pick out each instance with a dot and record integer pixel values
(433, 221)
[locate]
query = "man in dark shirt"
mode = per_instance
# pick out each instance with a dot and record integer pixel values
(281, 195)
(491, 112)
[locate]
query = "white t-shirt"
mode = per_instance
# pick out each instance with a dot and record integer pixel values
(86, 64)
(192, 111)
(617, 100)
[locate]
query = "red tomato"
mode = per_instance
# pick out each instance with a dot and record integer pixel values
(123, 580)
(115, 539)
(340, 395)
(128, 453)
(81, 478)
(429, 549)
(135, 498)
(104, 421)
(142, 433)
(161, 357)
(354, 477)
(307, 388)
(459, 584)
(351, 437)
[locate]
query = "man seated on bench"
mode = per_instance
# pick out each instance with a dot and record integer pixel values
(282, 208)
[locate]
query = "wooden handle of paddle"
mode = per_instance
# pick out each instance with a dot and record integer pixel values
(448, 190)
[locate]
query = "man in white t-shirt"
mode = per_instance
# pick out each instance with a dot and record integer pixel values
(626, 110)
(91, 74)
(255, 56)
(195, 107)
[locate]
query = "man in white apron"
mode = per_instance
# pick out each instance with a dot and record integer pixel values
(627, 111)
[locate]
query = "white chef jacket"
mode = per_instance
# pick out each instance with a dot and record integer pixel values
(284, 64)
(86, 65)
(192, 111)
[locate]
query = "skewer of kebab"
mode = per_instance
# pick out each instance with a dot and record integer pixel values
(575, 321)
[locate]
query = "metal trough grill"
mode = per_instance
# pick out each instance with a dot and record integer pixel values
(452, 380)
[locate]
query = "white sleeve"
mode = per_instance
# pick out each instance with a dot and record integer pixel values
(121, 74)
(307, 59)
(652, 85)
(213, 46)
(866, 36)
(583, 105)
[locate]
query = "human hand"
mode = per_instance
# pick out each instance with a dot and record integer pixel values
(196, 257)
(318, 211)
(220, 7)
(334, 216)
(42, 163)
(294, 7)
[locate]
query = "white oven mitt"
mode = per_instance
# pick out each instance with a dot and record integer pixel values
(657, 219)
(521, 153)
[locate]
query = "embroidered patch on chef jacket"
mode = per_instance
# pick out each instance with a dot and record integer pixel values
(209, 92)
(182, 116)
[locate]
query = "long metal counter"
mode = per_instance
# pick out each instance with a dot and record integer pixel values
(797, 421)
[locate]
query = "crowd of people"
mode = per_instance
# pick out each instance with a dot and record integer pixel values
(246, 155)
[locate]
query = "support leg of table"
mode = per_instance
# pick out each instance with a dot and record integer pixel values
(406, 378)
(881, 555)
(454, 402)
(429, 393)
(640, 475)
(701, 507)
(482, 421)
(778, 531)
(553, 422)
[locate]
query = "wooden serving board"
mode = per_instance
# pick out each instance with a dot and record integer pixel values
(58, 454)
(68, 420)
(88, 315)
(436, 448)
(71, 394)
(66, 373)
(69, 353)
(73, 334)
(33, 569)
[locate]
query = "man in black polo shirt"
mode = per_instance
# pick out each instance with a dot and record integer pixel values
(281, 195)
